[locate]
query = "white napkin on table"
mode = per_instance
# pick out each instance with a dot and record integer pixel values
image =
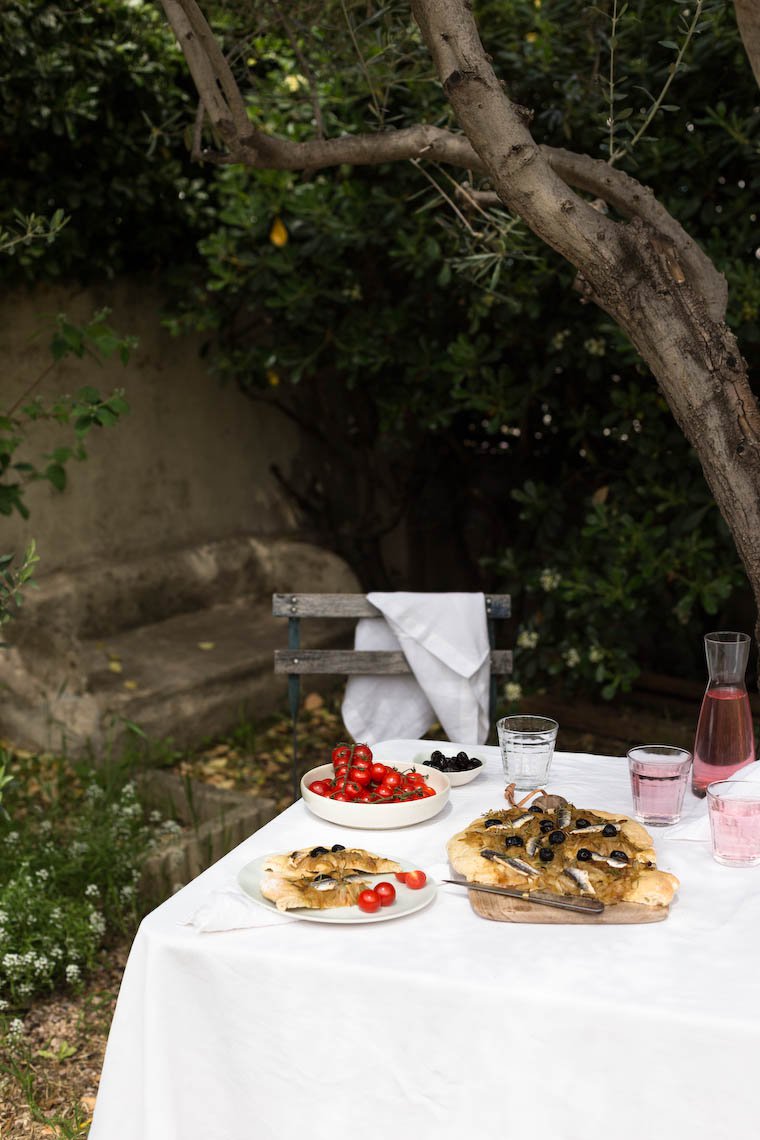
(229, 908)
(444, 638)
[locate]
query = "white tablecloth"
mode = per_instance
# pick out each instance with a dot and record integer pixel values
(441, 1024)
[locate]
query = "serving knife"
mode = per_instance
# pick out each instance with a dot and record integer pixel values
(541, 898)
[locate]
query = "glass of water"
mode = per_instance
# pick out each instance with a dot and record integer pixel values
(527, 746)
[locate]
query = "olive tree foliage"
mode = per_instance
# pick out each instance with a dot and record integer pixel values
(632, 256)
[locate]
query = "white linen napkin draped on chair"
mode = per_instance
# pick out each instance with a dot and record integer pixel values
(444, 638)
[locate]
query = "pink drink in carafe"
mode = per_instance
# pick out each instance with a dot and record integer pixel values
(724, 742)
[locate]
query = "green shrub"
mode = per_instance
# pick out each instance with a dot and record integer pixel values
(70, 853)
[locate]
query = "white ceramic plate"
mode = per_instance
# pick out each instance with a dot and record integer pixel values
(375, 816)
(407, 901)
(423, 749)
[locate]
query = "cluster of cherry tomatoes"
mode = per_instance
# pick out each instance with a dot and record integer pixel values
(360, 780)
(384, 894)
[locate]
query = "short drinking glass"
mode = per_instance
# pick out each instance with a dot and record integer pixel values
(527, 746)
(734, 807)
(659, 775)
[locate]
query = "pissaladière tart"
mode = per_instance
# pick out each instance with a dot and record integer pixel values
(320, 878)
(554, 846)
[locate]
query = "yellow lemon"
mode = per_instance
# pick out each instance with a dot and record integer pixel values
(278, 235)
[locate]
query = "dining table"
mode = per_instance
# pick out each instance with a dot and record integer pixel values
(233, 1023)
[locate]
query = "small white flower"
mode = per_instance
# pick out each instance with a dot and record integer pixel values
(43, 874)
(572, 658)
(97, 922)
(512, 691)
(154, 817)
(73, 973)
(549, 579)
(596, 654)
(527, 639)
(595, 346)
(92, 891)
(3, 1004)
(127, 893)
(16, 1030)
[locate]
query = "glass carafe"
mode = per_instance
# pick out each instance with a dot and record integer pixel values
(724, 742)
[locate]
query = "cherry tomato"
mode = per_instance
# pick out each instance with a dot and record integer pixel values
(415, 880)
(361, 765)
(341, 752)
(391, 780)
(386, 893)
(318, 787)
(352, 791)
(341, 769)
(362, 752)
(401, 876)
(427, 790)
(360, 776)
(369, 901)
(366, 797)
(378, 773)
(384, 792)
(339, 796)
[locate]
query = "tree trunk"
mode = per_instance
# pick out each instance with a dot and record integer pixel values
(644, 270)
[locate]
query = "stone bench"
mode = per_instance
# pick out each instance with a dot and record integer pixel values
(179, 643)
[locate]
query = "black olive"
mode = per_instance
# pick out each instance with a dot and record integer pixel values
(621, 855)
(514, 841)
(609, 829)
(462, 756)
(546, 854)
(546, 825)
(493, 822)
(318, 851)
(535, 808)
(582, 823)
(557, 837)
(436, 755)
(583, 855)
(338, 847)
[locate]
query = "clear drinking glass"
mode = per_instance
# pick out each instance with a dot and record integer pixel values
(734, 808)
(659, 775)
(724, 741)
(527, 746)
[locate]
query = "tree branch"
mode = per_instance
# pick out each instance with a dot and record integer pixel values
(748, 20)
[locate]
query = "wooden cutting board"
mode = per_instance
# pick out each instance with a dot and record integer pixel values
(501, 908)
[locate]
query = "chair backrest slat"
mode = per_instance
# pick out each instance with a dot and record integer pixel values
(357, 606)
(362, 662)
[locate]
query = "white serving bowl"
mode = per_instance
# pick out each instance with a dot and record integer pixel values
(420, 750)
(374, 816)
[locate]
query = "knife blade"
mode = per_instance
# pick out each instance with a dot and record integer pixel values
(540, 898)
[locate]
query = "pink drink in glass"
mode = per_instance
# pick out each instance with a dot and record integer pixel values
(724, 742)
(659, 775)
(734, 807)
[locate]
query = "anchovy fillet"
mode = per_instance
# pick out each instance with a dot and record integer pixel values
(581, 879)
(521, 819)
(516, 864)
(532, 845)
(563, 818)
(594, 827)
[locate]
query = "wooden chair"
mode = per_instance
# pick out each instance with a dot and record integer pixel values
(296, 662)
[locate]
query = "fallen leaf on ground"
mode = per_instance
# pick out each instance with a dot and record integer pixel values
(115, 665)
(130, 684)
(313, 701)
(206, 644)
